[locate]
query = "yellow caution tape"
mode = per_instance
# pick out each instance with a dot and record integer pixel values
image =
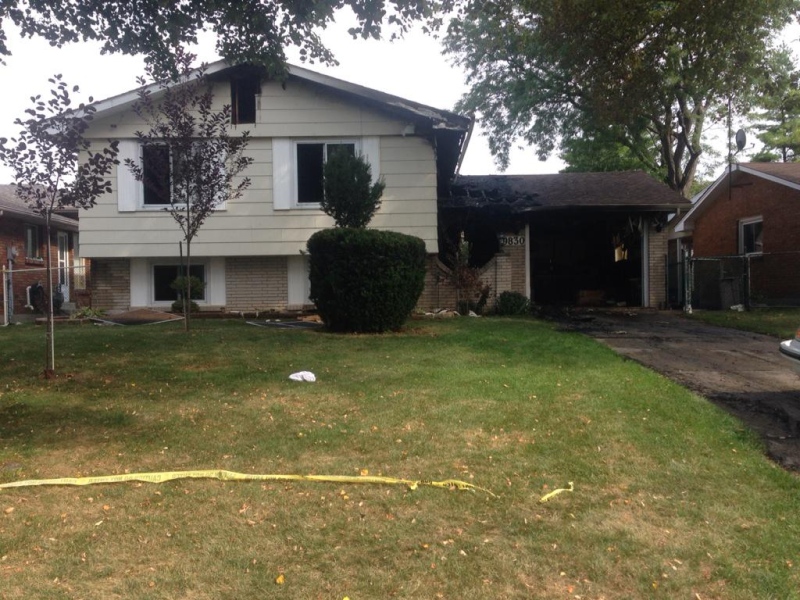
(547, 497)
(233, 476)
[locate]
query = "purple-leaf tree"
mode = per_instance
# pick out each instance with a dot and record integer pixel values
(190, 163)
(55, 167)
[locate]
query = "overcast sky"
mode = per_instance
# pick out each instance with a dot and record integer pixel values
(412, 68)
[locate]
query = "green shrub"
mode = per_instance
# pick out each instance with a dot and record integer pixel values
(364, 280)
(512, 303)
(350, 196)
(196, 286)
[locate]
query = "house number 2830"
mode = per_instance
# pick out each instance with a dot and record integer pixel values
(512, 240)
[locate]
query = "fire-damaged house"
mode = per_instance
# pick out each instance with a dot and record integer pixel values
(588, 238)
(555, 238)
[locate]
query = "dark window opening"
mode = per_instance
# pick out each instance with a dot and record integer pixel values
(32, 245)
(164, 275)
(243, 99)
(310, 165)
(156, 174)
(752, 237)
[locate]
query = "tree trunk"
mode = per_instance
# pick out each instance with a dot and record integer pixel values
(50, 366)
(187, 299)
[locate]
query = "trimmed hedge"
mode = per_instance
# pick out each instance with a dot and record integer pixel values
(365, 280)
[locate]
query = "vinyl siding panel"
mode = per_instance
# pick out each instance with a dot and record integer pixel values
(250, 225)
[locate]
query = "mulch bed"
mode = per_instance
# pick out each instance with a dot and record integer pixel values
(140, 316)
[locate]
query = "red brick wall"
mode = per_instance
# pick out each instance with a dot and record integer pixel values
(716, 231)
(12, 233)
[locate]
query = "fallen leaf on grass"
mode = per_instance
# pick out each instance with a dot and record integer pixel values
(280, 579)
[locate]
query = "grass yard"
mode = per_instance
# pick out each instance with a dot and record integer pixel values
(672, 499)
(778, 322)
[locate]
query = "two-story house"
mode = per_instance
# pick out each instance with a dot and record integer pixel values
(250, 252)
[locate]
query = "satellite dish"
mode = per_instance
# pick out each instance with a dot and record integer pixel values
(741, 140)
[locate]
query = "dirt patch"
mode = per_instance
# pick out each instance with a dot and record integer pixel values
(139, 316)
(739, 371)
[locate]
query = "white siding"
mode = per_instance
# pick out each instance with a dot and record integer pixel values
(258, 224)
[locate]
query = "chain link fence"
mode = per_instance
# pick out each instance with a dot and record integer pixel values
(720, 282)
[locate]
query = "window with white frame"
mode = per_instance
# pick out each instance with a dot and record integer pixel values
(157, 188)
(165, 275)
(310, 164)
(751, 235)
(297, 166)
(32, 243)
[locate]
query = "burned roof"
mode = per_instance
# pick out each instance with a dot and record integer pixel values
(13, 205)
(516, 194)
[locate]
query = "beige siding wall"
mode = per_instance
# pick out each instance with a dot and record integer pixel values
(251, 226)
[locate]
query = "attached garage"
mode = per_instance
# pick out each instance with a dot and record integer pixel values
(590, 238)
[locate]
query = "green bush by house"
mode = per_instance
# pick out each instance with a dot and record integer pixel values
(365, 280)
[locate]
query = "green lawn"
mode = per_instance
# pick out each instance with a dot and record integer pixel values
(778, 322)
(672, 498)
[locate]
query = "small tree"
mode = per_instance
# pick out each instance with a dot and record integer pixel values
(350, 196)
(56, 167)
(200, 161)
(362, 280)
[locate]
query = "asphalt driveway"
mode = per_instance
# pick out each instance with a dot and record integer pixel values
(741, 372)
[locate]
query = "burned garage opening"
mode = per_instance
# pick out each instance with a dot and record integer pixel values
(586, 258)
(588, 238)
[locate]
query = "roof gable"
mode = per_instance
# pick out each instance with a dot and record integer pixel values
(786, 174)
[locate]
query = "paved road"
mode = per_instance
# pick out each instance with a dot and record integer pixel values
(742, 372)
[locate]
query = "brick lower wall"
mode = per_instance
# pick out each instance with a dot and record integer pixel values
(111, 283)
(657, 252)
(504, 272)
(256, 283)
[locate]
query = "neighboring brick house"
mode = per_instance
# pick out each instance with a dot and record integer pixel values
(23, 247)
(748, 220)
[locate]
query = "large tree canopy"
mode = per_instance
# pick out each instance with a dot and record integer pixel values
(778, 119)
(548, 70)
(255, 31)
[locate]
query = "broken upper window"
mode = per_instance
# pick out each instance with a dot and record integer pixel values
(156, 174)
(243, 99)
(311, 159)
(751, 236)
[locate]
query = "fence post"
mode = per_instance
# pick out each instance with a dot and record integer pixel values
(747, 291)
(687, 283)
(6, 289)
